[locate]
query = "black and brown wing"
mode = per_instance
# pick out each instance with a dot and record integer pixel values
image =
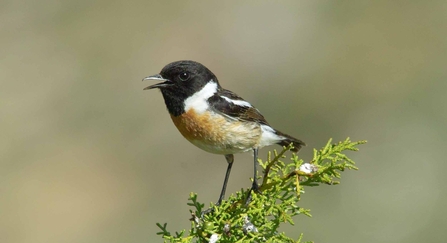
(233, 106)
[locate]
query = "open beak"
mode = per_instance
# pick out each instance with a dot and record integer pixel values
(166, 82)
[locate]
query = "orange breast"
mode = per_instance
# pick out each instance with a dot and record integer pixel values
(194, 126)
(216, 134)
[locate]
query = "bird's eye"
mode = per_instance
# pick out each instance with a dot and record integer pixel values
(184, 76)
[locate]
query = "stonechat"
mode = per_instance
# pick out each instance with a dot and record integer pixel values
(213, 118)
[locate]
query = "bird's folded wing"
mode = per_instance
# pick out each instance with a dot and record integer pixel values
(233, 106)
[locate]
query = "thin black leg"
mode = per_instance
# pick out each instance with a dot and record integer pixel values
(254, 186)
(255, 163)
(230, 160)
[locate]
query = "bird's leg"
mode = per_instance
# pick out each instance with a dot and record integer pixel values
(230, 160)
(254, 186)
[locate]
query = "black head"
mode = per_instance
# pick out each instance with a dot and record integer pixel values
(181, 79)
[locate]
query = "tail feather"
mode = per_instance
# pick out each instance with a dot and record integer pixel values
(297, 144)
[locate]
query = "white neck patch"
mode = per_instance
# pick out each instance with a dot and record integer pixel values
(199, 100)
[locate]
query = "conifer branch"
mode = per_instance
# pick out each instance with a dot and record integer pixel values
(281, 187)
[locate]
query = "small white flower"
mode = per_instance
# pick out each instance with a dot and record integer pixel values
(308, 168)
(214, 238)
(248, 226)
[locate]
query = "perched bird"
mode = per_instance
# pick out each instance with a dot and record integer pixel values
(215, 119)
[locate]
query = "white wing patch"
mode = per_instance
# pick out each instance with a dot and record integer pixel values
(237, 102)
(198, 101)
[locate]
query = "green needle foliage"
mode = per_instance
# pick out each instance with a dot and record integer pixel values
(282, 185)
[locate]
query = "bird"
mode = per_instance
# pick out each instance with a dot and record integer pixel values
(215, 119)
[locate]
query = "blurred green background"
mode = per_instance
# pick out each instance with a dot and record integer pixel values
(87, 156)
